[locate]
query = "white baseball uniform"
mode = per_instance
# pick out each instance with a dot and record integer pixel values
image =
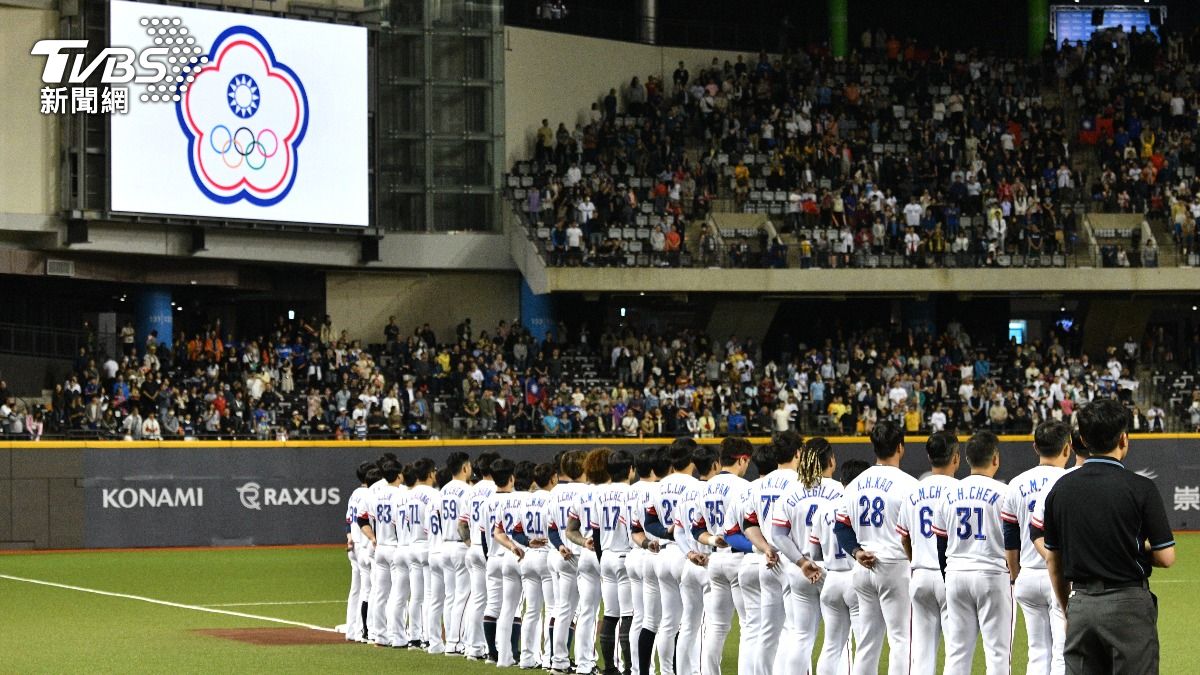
(474, 642)
(636, 562)
(720, 508)
(839, 601)
(870, 507)
(693, 579)
(766, 497)
(501, 513)
(1043, 618)
(565, 571)
(450, 585)
(792, 519)
(403, 628)
(360, 564)
(927, 588)
(588, 581)
(537, 587)
(668, 568)
(611, 517)
(978, 594)
(382, 517)
(749, 657)
(420, 506)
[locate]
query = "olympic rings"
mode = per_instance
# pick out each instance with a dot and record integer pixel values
(243, 149)
(228, 139)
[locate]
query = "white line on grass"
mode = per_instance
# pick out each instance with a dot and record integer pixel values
(165, 603)
(288, 602)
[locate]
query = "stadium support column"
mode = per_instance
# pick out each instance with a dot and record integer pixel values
(1039, 26)
(649, 23)
(154, 312)
(537, 313)
(838, 26)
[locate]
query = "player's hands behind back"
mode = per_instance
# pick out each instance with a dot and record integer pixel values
(865, 558)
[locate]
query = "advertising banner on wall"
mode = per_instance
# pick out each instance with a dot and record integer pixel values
(260, 496)
(252, 118)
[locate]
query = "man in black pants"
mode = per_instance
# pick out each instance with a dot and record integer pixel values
(1105, 528)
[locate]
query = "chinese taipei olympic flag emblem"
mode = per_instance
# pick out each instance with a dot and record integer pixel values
(244, 114)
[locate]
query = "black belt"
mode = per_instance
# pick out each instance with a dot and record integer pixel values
(1101, 586)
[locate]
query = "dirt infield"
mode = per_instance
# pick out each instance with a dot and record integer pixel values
(275, 636)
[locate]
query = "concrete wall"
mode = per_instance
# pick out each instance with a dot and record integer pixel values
(28, 139)
(362, 302)
(795, 281)
(557, 77)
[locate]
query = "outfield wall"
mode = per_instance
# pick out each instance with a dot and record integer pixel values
(111, 494)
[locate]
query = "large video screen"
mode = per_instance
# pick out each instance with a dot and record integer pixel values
(257, 118)
(1075, 23)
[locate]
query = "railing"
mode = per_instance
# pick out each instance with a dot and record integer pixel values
(40, 341)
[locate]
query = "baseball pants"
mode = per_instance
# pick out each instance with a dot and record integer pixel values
(586, 611)
(449, 586)
(885, 608)
(839, 611)
(474, 642)
(381, 590)
(773, 608)
(510, 605)
(749, 655)
(804, 598)
(535, 585)
(978, 603)
(693, 583)
(566, 597)
(668, 568)
(397, 608)
(929, 618)
(1044, 622)
(634, 561)
(360, 589)
(723, 598)
(418, 582)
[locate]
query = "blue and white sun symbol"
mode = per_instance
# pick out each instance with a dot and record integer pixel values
(243, 96)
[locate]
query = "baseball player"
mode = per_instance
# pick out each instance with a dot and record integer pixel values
(580, 533)
(471, 525)
(791, 520)
(383, 537)
(760, 556)
(669, 562)
(839, 601)
(503, 511)
(764, 498)
(564, 562)
(434, 607)
(450, 584)
(1032, 590)
(927, 588)
(639, 494)
(610, 519)
(689, 521)
(537, 587)
(722, 531)
(358, 550)
(978, 581)
(421, 504)
(403, 632)
(866, 528)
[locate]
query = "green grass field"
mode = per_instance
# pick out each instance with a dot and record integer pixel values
(56, 630)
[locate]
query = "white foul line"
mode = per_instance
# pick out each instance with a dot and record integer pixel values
(165, 603)
(289, 602)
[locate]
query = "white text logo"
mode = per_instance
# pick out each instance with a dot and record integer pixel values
(153, 498)
(255, 496)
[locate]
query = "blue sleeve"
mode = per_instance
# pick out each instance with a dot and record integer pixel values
(554, 538)
(697, 531)
(1035, 532)
(739, 542)
(846, 537)
(1012, 536)
(347, 527)
(519, 537)
(941, 547)
(652, 525)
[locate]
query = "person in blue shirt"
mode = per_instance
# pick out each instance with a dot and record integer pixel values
(737, 421)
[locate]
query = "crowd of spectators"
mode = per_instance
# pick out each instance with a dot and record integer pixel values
(305, 379)
(897, 149)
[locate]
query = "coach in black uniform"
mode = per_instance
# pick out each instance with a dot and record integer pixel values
(1105, 527)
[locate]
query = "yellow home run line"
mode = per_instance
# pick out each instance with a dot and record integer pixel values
(166, 603)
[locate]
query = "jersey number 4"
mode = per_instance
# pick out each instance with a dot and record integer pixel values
(872, 511)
